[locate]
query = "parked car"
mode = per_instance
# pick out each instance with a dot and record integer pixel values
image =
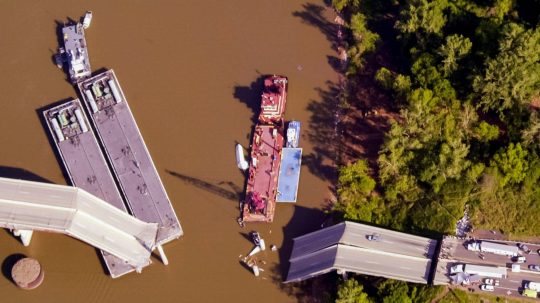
(534, 267)
(486, 287)
(519, 259)
(538, 251)
(490, 281)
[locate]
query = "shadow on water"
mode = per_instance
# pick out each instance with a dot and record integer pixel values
(312, 289)
(251, 96)
(21, 174)
(314, 15)
(358, 129)
(8, 264)
(232, 195)
(323, 134)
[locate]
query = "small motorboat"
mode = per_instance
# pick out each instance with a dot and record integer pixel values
(293, 134)
(87, 19)
(241, 161)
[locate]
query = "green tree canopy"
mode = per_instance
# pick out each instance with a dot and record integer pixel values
(423, 16)
(455, 48)
(512, 78)
(512, 162)
(351, 291)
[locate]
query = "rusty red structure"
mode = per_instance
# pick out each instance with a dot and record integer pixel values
(266, 147)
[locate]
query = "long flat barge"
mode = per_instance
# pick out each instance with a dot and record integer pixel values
(85, 163)
(266, 148)
(125, 148)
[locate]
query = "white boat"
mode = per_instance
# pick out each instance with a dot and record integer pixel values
(87, 19)
(240, 158)
(293, 134)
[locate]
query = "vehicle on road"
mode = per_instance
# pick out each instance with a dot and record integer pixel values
(534, 267)
(532, 285)
(486, 287)
(374, 237)
(524, 248)
(538, 251)
(490, 281)
(529, 293)
(519, 259)
(457, 268)
(482, 270)
(493, 247)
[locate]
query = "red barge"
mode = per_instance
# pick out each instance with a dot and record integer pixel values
(266, 146)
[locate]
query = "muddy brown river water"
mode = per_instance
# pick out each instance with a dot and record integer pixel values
(189, 70)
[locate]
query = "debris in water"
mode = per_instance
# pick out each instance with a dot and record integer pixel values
(255, 250)
(273, 248)
(299, 67)
(240, 222)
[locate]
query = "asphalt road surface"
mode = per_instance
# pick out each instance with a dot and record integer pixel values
(454, 251)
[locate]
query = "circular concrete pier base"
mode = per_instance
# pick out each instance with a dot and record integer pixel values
(27, 273)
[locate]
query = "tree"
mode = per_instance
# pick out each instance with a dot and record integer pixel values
(341, 4)
(354, 179)
(399, 84)
(513, 76)
(365, 41)
(455, 48)
(393, 291)
(512, 162)
(351, 291)
(355, 185)
(531, 135)
(486, 132)
(422, 16)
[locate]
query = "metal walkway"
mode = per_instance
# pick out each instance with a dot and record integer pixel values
(27, 206)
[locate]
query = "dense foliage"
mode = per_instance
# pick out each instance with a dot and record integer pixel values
(468, 92)
(467, 88)
(386, 291)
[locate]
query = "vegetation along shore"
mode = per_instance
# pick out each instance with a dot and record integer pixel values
(440, 114)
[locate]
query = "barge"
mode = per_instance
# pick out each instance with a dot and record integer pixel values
(291, 163)
(85, 163)
(266, 148)
(75, 52)
(125, 149)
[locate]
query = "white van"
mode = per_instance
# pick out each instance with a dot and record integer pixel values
(533, 285)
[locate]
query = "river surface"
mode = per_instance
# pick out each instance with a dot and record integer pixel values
(190, 73)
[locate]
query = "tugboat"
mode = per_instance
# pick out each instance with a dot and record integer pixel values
(75, 52)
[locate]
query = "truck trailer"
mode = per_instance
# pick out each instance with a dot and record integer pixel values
(495, 248)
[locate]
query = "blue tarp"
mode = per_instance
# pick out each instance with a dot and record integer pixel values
(289, 174)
